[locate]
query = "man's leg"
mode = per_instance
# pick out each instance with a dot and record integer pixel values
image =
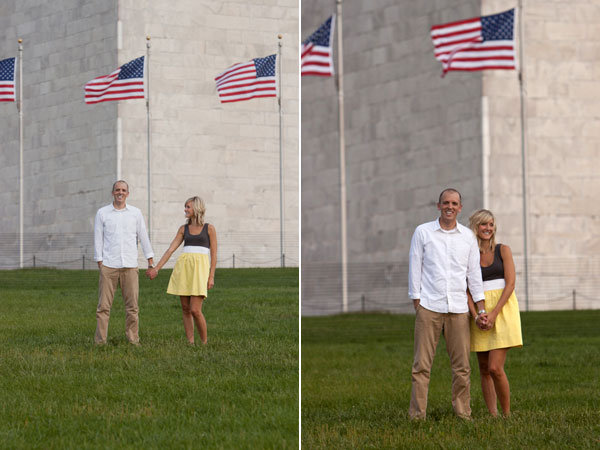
(106, 293)
(428, 327)
(457, 335)
(130, 288)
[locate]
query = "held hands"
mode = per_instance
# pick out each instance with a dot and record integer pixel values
(486, 321)
(491, 320)
(482, 321)
(152, 273)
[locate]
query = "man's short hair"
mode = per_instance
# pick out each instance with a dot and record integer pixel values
(443, 192)
(120, 181)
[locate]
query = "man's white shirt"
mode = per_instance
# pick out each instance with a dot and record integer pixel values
(442, 264)
(116, 234)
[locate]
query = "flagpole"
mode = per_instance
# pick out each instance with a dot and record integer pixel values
(340, 86)
(281, 199)
(148, 136)
(20, 108)
(523, 158)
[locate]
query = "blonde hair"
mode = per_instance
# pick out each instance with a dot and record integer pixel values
(476, 219)
(198, 208)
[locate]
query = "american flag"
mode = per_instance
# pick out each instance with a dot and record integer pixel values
(7, 80)
(123, 84)
(316, 54)
(244, 81)
(479, 43)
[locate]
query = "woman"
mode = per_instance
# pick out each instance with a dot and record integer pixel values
(498, 327)
(194, 272)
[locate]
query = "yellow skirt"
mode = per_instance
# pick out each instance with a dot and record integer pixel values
(190, 275)
(507, 329)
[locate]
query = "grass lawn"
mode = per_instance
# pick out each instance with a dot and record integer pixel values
(59, 390)
(356, 386)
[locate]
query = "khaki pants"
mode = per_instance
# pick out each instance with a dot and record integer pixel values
(109, 279)
(428, 327)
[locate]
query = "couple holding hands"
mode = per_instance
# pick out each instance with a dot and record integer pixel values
(117, 229)
(462, 285)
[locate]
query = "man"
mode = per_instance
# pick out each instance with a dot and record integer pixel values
(444, 260)
(117, 228)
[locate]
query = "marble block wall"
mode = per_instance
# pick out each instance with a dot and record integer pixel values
(410, 133)
(73, 152)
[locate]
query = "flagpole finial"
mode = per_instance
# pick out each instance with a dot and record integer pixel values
(147, 38)
(20, 41)
(280, 36)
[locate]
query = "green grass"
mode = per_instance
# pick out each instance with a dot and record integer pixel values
(356, 386)
(59, 390)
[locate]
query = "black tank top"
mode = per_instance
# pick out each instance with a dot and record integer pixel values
(494, 271)
(198, 240)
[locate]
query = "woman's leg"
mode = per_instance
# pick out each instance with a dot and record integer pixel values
(487, 383)
(496, 368)
(188, 322)
(196, 309)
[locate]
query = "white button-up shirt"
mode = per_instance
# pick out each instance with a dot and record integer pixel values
(441, 265)
(116, 234)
